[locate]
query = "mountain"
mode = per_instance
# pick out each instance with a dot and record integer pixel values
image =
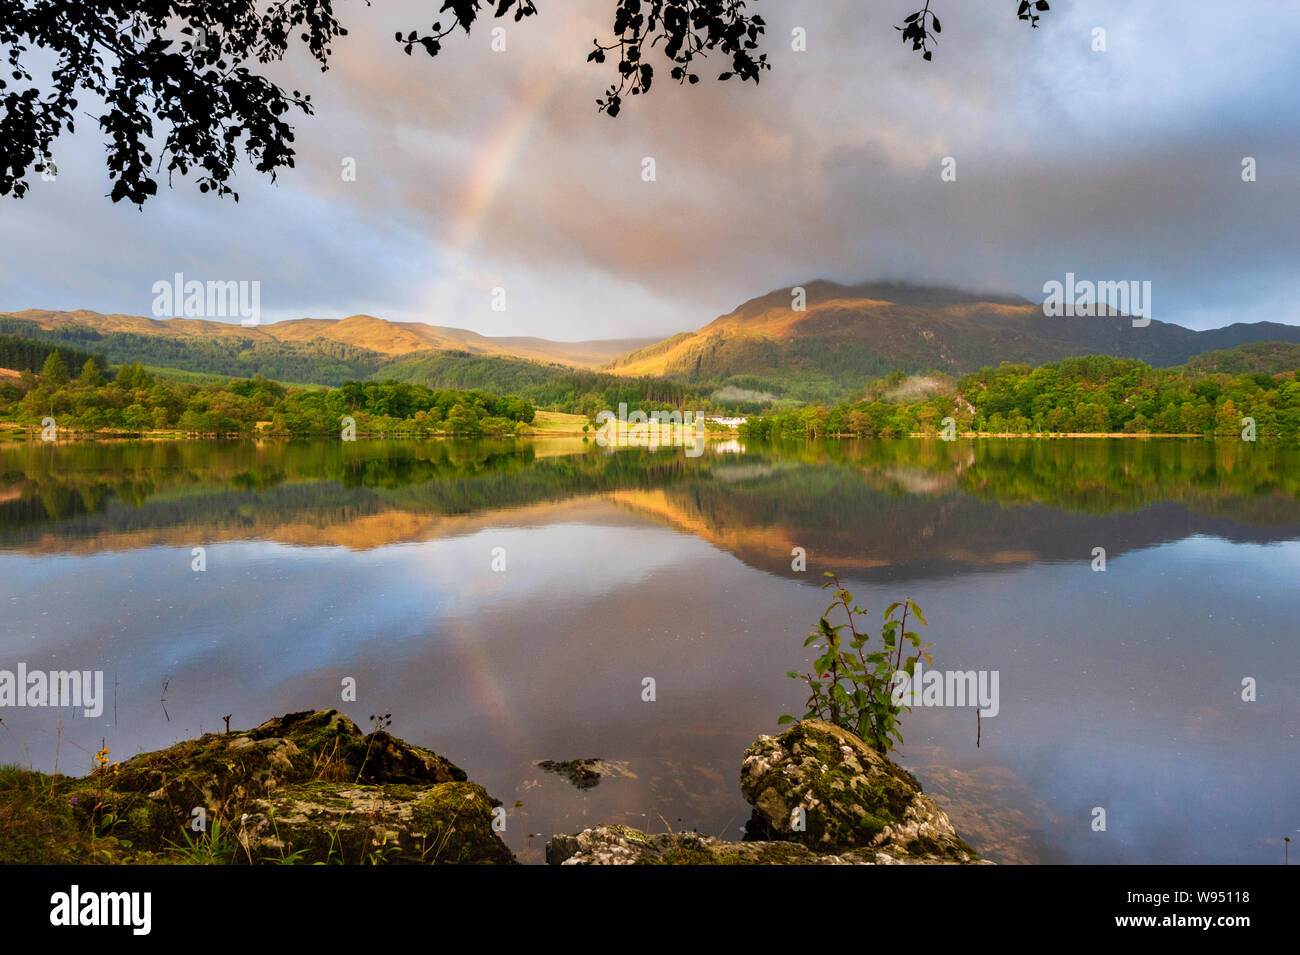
(849, 333)
(363, 332)
(846, 336)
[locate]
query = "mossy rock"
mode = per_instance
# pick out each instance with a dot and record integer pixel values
(859, 808)
(141, 809)
(392, 824)
(329, 738)
(822, 786)
(156, 793)
(582, 773)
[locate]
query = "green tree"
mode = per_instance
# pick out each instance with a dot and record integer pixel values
(90, 376)
(137, 418)
(1227, 420)
(54, 373)
(92, 419)
(190, 421)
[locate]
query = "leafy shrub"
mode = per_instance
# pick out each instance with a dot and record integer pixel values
(851, 687)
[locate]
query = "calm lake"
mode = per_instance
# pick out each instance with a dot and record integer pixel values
(375, 560)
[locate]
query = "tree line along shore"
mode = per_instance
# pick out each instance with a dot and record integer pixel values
(1093, 396)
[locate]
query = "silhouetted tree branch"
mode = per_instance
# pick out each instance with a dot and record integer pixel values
(182, 77)
(920, 27)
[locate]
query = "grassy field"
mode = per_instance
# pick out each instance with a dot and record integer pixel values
(558, 423)
(203, 378)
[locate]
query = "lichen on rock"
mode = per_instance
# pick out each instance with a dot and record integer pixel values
(622, 845)
(394, 823)
(822, 786)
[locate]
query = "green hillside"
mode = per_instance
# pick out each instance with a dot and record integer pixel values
(1269, 358)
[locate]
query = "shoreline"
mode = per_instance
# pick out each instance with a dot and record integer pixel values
(311, 787)
(26, 435)
(23, 434)
(1077, 434)
(554, 425)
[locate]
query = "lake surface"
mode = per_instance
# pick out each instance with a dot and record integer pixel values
(1119, 689)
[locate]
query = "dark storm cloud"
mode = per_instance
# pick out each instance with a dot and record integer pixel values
(481, 169)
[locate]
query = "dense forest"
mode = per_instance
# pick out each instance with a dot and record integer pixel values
(29, 354)
(136, 401)
(1090, 395)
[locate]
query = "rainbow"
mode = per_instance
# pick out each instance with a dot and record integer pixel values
(489, 172)
(493, 166)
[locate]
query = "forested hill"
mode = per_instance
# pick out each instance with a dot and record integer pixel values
(356, 339)
(236, 356)
(1271, 358)
(28, 354)
(322, 362)
(850, 334)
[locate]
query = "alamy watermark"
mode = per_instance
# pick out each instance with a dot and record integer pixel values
(83, 688)
(947, 688)
(194, 299)
(654, 430)
(127, 909)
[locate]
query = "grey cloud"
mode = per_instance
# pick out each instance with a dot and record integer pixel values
(1123, 164)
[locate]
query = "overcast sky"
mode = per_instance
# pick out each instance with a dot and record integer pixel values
(481, 169)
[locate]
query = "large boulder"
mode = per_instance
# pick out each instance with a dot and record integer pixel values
(822, 786)
(305, 787)
(220, 771)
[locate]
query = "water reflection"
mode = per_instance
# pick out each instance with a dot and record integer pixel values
(374, 560)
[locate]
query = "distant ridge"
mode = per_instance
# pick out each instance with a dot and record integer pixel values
(844, 336)
(364, 332)
(847, 333)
